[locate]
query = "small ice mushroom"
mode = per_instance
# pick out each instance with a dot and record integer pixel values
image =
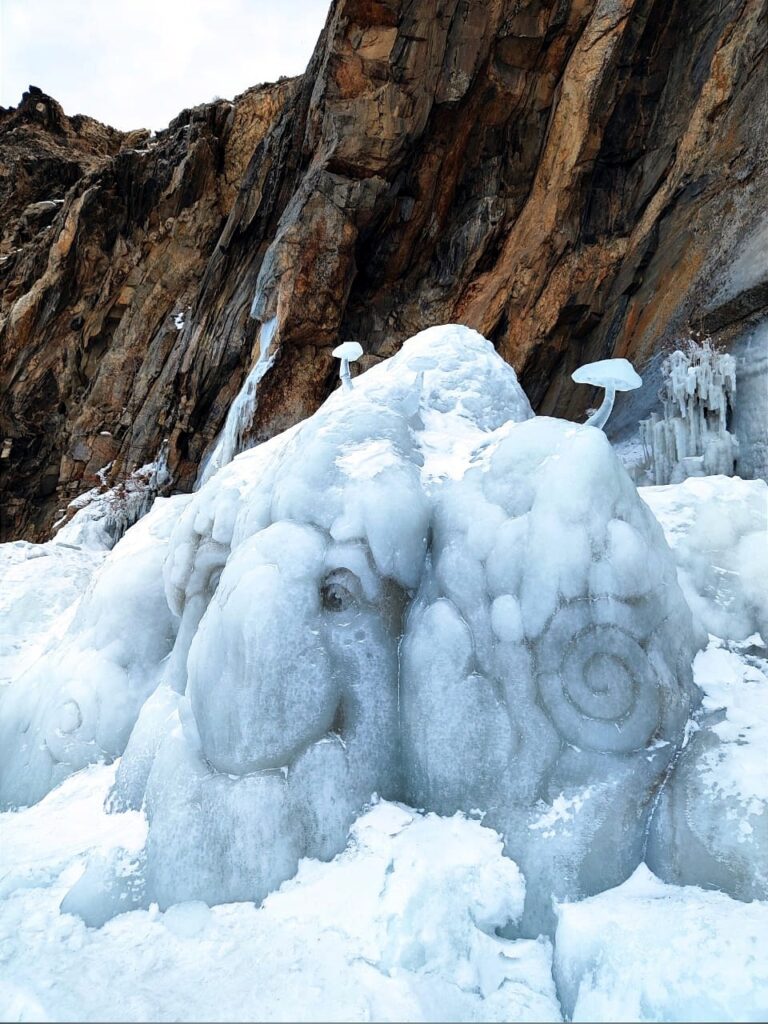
(613, 375)
(348, 352)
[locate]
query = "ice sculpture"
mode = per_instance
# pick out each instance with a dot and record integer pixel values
(545, 668)
(421, 591)
(348, 353)
(612, 375)
(690, 437)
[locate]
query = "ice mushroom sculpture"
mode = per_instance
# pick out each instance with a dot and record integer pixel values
(348, 352)
(612, 375)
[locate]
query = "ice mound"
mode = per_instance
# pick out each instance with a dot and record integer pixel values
(717, 528)
(711, 824)
(78, 702)
(648, 952)
(400, 926)
(421, 591)
(291, 571)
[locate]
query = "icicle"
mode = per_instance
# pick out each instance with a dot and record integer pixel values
(691, 437)
(230, 441)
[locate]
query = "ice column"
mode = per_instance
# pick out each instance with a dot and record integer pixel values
(240, 416)
(690, 437)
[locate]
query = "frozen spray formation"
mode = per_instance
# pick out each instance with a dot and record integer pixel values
(422, 591)
(690, 437)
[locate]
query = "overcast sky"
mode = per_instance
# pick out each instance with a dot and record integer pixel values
(137, 63)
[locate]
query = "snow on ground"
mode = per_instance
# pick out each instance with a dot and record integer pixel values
(647, 951)
(401, 926)
(41, 584)
(717, 527)
(739, 687)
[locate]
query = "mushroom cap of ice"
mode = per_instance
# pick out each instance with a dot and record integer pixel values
(609, 373)
(349, 350)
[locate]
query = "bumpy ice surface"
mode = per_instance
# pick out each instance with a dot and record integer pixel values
(400, 926)
(653, 952)
(78, 701)
(504, 582)
(717, 528)
(421, 592)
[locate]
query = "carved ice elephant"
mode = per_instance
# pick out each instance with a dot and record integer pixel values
(423, 592)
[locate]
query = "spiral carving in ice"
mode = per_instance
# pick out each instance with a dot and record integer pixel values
(596, 682)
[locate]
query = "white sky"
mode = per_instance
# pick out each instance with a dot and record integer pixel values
(137, 63)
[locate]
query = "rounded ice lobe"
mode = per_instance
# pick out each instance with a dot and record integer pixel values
(79, 701)
(275, 691)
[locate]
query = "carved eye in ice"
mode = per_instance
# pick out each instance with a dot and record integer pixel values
(611, 374)
(340, 590)
(596, 681)
(69, 717)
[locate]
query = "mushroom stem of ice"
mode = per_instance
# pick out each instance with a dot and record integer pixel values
(348, 352)
(611, 374)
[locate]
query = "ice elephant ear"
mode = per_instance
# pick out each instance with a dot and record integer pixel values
(545, 673)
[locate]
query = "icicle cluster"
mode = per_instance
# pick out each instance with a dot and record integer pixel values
(231, 440)
(104, 514)
(690, 437)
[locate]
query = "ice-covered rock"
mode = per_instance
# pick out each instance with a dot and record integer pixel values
(103, 514)
(710, 827)
(78, 702)
(651, 952)
(717, 528)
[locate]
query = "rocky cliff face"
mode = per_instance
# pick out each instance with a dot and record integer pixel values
(573, 178)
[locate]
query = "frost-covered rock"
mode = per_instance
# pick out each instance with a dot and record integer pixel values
(710, 827)
(79, 701)
(651, 952)
(717, 528)
(103, 514)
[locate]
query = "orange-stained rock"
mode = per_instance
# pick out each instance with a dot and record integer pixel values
(571, 177)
